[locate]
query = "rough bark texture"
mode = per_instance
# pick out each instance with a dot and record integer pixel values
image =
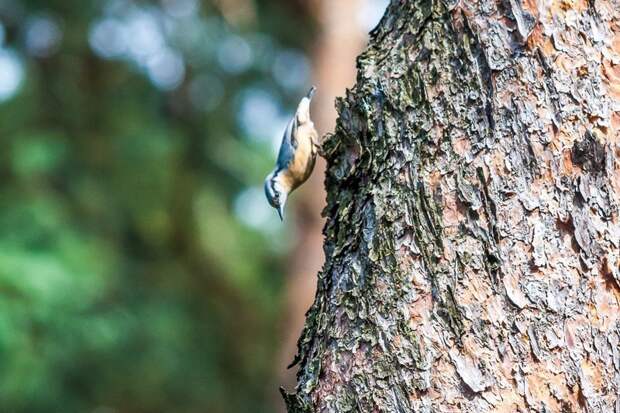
(472, 236)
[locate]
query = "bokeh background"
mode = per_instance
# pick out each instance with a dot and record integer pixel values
(141, 269)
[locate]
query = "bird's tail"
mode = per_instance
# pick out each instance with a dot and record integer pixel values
(311, 92)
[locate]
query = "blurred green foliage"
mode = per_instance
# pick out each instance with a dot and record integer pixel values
(128, 283)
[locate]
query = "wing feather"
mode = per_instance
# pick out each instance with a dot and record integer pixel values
(288, 145)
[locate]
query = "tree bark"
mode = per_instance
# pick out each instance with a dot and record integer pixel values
(473, 232)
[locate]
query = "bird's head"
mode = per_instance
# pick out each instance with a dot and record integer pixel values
(276, 193)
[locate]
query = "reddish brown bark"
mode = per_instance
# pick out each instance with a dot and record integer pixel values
(473, 232)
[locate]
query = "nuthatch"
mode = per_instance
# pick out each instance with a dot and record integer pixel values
(296, 157)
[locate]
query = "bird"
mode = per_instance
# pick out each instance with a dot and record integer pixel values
(296, 157)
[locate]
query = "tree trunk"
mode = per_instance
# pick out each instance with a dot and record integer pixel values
(473, 231)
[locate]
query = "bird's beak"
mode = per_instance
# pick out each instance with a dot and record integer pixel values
(311, 92)
(281, 212)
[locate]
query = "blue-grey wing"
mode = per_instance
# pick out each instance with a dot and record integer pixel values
(288, 146)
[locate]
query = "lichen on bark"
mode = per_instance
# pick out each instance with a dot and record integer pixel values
(472, 235)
